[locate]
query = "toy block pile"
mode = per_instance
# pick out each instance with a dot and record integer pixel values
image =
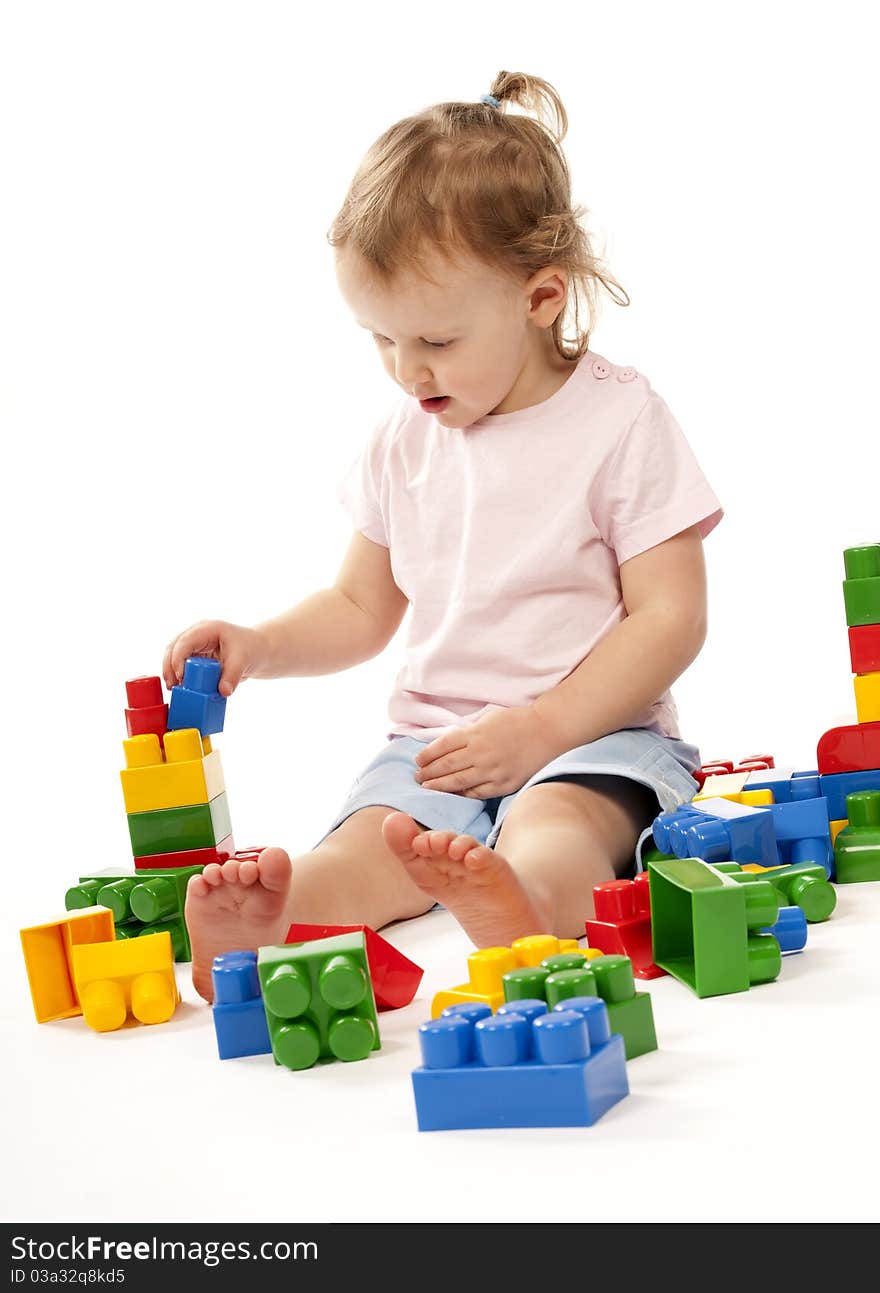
(539, 1036)
(316, 996)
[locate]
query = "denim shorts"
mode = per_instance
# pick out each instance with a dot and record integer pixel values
(664, 763)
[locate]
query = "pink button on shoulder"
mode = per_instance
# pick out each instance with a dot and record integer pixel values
(600, 370)
(626, 375)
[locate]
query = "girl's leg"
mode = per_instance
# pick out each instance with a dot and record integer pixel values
(351, 878)
(558, 840)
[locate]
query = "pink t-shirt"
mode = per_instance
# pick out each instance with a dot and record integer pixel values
(506, 537)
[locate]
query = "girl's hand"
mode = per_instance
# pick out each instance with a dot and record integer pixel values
(493, 757)
(240, 650)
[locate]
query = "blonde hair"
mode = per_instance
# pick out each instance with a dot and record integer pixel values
(471, 177)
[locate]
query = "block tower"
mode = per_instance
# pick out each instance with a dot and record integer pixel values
(175, 798)
(849, 757)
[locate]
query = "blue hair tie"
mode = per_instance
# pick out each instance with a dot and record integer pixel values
(490, 98)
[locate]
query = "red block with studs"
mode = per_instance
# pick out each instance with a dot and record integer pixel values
(864, 648)
(622, 924)
(849, 749)
(187, 857)
(146, 713)
(395, 977)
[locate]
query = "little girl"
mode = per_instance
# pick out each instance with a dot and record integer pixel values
(540, 512)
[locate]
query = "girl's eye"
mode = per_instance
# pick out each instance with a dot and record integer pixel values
(438, 344)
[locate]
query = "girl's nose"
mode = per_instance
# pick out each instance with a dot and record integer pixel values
(412, 371)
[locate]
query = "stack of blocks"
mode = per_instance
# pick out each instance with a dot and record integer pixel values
(849, 757)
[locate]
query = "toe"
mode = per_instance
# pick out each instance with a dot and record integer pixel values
(461, 845)
(229, 871)
(399, 831)
(196, 888)
(212, 875)
(275, 869)
(477, 859)
(248, 872)
(439, 841)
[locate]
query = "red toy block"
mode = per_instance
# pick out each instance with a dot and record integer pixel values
(395, 977)
(864, 648)
(623, 923)
(146, 713)
(718, 767)
(849, 749)
(187, 857)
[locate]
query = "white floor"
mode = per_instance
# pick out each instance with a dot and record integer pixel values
(760, 1105)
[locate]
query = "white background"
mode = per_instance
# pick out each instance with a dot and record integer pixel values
(181, 386)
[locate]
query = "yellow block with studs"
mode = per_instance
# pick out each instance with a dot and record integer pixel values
(836, 827)
(184, 776)
(131, 976)
(487, 967)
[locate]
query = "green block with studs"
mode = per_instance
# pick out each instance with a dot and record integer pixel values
(857, 846)
(142, 902)
(568, 974)
(705, 927)
(803, 884)
(861, 588)
(172, 830)
(318, 999)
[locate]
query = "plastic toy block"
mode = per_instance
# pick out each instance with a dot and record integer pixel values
(169, 830)
(116, 979)
(804, 885)
(836, 828)
(184, 776)
(623, 923)
(610, 977)
(319, 1001)
(717, 830)
(187, 857)
(802, 832)
(867, 691)
(722, 785)
(147, 711)
(239, 1017)
(487, 967)
(781, 782)
(47, 959)
(857, 846)
(394, 976)
(864, 647)
(838, 786)
(722, 767)
(861, 587)
(141, 904)
(790, 930)
(705, 927)
(197, 702)
(523, 1067)
(849, 749)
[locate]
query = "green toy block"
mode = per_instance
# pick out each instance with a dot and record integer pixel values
(142, 902)
(557, 978)
(705, 925)
(169, 830)
(857, 847)
(318, 999)
(804, 885)
(861, 588)
(653, 854)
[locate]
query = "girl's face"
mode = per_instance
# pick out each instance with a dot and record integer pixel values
(477, 338)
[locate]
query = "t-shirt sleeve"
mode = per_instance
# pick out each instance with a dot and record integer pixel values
(360, 488)
(652, 486)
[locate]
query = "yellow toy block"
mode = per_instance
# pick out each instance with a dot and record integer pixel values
(867, 689)
(722, 785)
(186, 775)
(134, 975)
(47, 958)
(757, 798)
(836, 827)
(487, 967)
(759, 870)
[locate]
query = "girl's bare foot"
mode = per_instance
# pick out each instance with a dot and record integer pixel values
(234, 906)
(475, 883)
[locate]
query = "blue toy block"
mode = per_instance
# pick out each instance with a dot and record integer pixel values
(239, 1017)
(803, 833)
(837, 785)
(790, 930)
(522, 1067)
(718, 830)
(197, 702)
(785, 783)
